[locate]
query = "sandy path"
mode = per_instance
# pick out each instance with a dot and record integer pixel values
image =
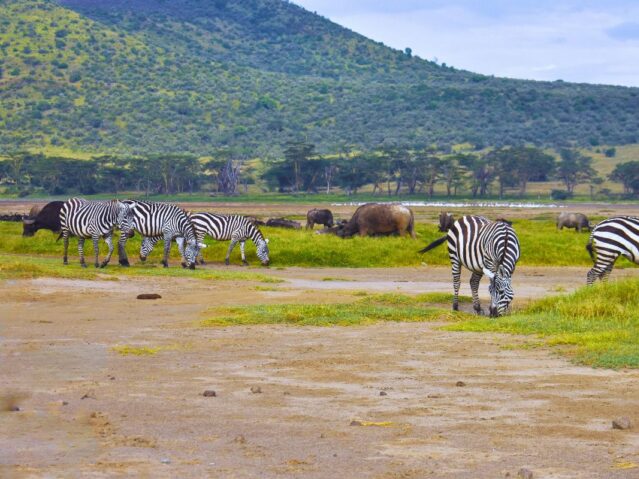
(88, 411)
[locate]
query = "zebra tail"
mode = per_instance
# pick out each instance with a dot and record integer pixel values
(590, 251)
(58, 238)
(434, 244)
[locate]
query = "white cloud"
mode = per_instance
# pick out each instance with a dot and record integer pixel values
(585, 41)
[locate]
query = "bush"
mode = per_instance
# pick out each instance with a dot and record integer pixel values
(560, 195)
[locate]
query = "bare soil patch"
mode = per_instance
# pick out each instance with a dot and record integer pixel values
(456, 405)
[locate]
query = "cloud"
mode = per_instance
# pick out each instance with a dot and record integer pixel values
(585, 40)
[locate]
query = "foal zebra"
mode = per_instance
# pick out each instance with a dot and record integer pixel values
(610, 239)
(156, 221)
(230, 227)
(94, 219)
(484, 247)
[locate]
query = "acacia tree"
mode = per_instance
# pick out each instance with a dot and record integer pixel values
(628, 175)
(574, 168)
(482, 173)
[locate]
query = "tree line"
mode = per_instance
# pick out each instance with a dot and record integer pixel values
(391, 170)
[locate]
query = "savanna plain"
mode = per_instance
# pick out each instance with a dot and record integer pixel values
(342, 359)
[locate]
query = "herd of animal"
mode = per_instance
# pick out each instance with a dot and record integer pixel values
(485, 247)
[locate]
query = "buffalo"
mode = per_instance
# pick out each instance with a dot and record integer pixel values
(283, 223)
(47, 218)
(573, 220)
(320, 217)
(380, 219)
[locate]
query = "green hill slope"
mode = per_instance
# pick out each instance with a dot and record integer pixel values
(146, 76)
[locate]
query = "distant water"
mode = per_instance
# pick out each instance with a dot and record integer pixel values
(446, 204)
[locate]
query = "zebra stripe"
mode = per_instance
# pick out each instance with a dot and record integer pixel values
(163, 221)
(94, 219)
(614, 237)
(231, 227)
(484, 247)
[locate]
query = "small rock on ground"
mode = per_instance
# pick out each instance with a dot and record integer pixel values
(621, 423)
(460, 384)
(209, 393)
(149, 296)
(256, 389)
(525, 473)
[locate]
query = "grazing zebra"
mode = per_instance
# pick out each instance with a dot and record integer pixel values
(610, 239)
(156, 221)
(95, 219)
(230, 227)
(485, 247)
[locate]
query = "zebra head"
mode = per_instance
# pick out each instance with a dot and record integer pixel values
(191, 252)
(126, 220)
(262, 251)
(501, 292)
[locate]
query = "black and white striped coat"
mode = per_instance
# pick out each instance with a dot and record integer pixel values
(235, 228)
(163, 221)
(95, 219)
(484, 247)
(614, 237)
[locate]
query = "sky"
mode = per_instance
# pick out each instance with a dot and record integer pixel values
(590, 41)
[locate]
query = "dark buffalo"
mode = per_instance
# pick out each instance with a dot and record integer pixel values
(283, 223)
(446, 220)
(320, 217)
(380, 219)
(573, 220)
(47, 218)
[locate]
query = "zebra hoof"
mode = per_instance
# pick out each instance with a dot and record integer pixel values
(124, 262)
(202, 262)
(192, 266)
(84, 265)
(142, 258)
(165, 264)
(227, 262)
(66, 263)
(244, 263)
(184, 264)
(103, 264)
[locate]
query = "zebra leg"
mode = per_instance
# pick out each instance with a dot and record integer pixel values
(474, 287)
(81, 251)
(123, 259)
(96, 251)
(109, 241)
(244, 262)
(65, 236)
(456, 268)
(227, 260)
(602, 268)
(167, 250)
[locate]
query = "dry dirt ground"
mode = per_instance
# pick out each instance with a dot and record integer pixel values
(403, 400)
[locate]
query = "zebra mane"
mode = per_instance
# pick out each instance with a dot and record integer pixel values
(503, 256)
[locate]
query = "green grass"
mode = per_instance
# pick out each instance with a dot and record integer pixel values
(368, 310)
(541, 245)
(597, 326)
(25, 267)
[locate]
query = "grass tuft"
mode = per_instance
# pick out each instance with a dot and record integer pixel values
(597, 326)
(367, 310)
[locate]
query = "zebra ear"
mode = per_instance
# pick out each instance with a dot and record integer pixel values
(489, 273)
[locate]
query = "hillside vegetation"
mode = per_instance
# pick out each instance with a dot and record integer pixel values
(147, 76)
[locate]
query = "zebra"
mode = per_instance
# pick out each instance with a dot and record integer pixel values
(230, 227)
(610, 239)
(484, 247)
(95, 219)
(156, 221)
